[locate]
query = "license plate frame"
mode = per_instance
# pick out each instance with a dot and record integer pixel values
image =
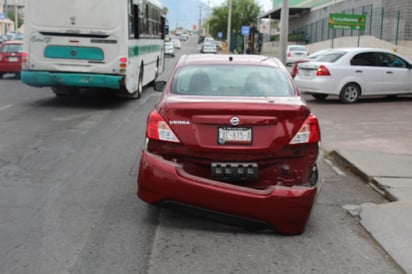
(13, 59)
(234, 135)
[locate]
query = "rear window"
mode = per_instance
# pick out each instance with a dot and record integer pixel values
(297, 48)
(331, 57)
(9, 48)
(230, 80)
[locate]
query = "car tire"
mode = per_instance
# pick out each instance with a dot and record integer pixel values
(350, 93)
(320, 96)
(314, 175)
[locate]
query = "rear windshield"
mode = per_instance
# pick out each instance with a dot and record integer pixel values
(229, 80)
(331, 57)
(11, 48)
(297, 48)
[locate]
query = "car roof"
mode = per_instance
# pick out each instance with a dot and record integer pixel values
(12, 42)
(204, 59)
(356, 49)
(297, 46)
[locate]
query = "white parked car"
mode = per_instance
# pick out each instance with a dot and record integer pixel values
(353, 72)
(295, 53)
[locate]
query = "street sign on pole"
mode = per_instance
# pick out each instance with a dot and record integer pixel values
(245, 30)
(347, 21)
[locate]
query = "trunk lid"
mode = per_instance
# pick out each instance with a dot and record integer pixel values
(264, 124)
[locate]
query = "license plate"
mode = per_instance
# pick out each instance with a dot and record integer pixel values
(234, 135)
(306, 72)
(13, 59)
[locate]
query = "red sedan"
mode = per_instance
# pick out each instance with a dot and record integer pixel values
(11, 57)
(232, 136)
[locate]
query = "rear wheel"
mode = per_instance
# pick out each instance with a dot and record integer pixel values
(124, 93)
(156, 73)
(138, 93)
(319, 96)
(350, 93)
(1, 75)
(314, 175)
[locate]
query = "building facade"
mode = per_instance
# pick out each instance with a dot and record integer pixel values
(385, 19)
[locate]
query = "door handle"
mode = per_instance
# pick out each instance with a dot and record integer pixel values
(358, 71)
(389, 72)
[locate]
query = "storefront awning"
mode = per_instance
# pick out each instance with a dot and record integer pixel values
(275, 14)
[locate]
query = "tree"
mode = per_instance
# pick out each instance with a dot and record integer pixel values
(244, 13)
(11, 14)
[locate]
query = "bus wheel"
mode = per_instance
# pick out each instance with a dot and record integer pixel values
(65, 91)
(138, 93)
(156, 73)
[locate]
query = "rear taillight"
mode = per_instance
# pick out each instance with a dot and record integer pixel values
(123, 64)
(24, 57)
(289, 54)
(309, 132)
(322, 71)
(158, 129)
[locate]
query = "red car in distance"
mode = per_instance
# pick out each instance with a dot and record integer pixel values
(11, 57)
(231, 136)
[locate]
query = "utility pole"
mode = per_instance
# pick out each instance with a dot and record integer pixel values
(200, 21)
(5, 14)
(15, 16)
(208, 15)
(229, 23)
(284, 25)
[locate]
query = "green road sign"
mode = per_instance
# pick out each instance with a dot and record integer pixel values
(347, 21)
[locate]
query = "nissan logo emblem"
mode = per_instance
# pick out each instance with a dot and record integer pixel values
(235, 121)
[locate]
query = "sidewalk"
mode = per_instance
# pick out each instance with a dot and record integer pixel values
(390, 224)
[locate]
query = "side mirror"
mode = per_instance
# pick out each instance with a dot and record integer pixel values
(159, 85)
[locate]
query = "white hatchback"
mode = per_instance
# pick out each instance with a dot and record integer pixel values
(353, 72)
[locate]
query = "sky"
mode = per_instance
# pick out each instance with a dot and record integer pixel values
(186, 13)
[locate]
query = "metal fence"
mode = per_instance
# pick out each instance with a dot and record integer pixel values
(389, 25)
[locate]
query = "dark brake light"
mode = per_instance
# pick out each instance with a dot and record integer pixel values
(322, 71)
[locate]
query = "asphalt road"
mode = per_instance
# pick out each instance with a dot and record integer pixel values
(68, 169)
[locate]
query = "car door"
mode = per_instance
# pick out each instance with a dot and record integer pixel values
(366, 67)
(397, 76)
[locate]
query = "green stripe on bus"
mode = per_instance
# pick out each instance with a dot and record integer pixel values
(71, 52)
(142, 50)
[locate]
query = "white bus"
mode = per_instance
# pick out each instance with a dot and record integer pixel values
(108, 44)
